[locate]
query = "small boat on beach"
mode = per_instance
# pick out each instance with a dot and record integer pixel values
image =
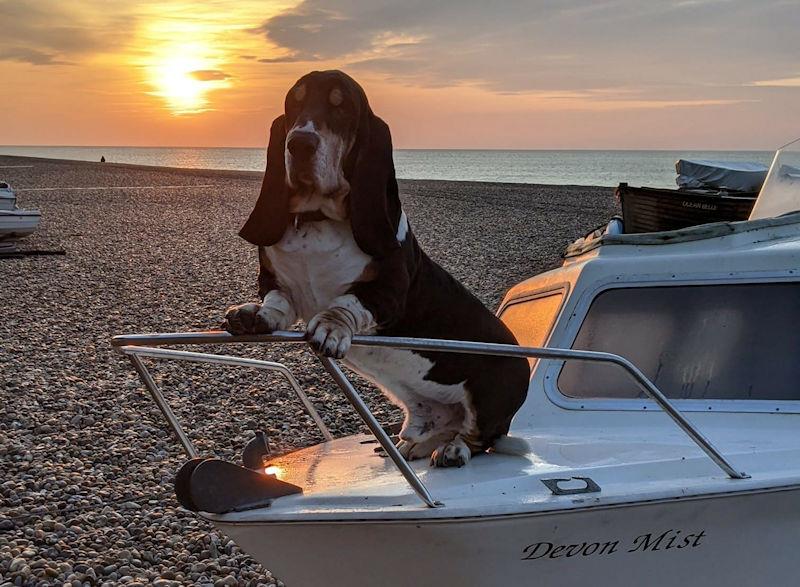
(15, 223)
(662, 417)
(708, 191)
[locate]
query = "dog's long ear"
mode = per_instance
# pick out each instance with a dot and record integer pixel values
(270, 217)
(374, 201)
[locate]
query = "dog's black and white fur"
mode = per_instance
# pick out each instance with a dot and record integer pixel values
(337, 251)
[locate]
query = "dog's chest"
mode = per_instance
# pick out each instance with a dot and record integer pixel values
(316, 263)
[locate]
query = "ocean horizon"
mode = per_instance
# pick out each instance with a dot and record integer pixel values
(654, 168)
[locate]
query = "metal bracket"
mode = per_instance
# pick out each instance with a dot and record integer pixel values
(590, 487)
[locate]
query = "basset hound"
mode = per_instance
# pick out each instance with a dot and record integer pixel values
(336, 250)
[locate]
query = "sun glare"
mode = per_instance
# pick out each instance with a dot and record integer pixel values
(183, 76)
(187, 50)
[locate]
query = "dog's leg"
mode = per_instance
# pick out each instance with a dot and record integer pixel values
(275, 313)
(434, 430)
(426, 418)
(331, 331)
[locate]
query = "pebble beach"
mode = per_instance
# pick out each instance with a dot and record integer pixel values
(86, 460)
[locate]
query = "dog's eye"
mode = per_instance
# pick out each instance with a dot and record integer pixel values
(300, 92)
(336, 97)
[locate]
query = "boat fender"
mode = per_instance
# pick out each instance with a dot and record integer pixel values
(182, 483)
(219, 487)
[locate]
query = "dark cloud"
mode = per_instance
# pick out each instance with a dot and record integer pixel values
(207, 75)
(316, 29)
(287, 59)
(32, 56)
(568, 45)
(48, 32)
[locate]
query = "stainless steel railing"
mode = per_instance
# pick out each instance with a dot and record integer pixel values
(136, 346)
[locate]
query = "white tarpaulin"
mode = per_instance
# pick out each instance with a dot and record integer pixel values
(737, 176)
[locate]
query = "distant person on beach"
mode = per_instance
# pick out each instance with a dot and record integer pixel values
(102, 158)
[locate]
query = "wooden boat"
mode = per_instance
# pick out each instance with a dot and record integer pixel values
(653, 209)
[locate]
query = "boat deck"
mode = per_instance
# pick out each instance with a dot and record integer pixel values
(629, 457)
(347, 479)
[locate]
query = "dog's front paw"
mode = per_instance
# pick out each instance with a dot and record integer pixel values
(330, 332)
(255, 319)
(270, 319)
(241, 319)
(412, 451)
(455, 453)
(276, 313)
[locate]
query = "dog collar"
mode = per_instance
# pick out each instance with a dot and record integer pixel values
(302, 217)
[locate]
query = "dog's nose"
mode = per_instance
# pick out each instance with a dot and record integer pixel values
(302, 145)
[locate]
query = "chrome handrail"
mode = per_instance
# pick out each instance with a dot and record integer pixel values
(134, 345)
(189, 356)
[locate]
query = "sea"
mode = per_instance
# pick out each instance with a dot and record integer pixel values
(559, 167)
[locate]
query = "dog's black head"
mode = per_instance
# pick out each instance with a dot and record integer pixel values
(328, 152)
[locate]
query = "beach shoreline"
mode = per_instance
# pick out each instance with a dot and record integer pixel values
(549, 167)
(88, 462)
(246, 174)
(240, 173)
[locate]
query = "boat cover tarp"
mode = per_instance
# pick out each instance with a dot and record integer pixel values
(738, 176)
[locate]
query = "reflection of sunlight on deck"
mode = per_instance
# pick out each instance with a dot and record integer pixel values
(274, 470)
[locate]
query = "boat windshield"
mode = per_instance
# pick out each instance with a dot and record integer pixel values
(780, 193)
(701, 342)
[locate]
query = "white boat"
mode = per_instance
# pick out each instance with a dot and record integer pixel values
(8, 199)
(663, 416)
(15, 222)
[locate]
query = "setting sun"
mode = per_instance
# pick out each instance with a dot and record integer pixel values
(184, 52)
(183, 79)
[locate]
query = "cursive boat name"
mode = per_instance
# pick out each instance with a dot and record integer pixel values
(650, 542)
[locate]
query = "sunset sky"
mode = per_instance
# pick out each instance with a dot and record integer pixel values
(710, 74)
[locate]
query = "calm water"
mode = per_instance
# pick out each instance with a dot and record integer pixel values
(604, 168)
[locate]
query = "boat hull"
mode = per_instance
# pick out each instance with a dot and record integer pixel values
(654, 210)
(18, 223)
(733, 539)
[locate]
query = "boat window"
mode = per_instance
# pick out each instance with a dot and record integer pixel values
(694, 342)
(531, 320)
